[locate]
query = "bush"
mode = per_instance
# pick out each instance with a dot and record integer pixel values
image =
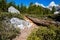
(7, 31)
(45, 33)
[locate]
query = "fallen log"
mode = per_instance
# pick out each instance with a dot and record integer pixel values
(41, 22)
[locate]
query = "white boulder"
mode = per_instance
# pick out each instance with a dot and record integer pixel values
(11, 9)
(20, 23)
(56, 12)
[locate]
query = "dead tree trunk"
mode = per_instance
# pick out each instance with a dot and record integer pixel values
(42, 22)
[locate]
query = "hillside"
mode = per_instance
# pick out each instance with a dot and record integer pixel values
(33, 22)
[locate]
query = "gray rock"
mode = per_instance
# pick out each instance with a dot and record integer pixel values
(20, 23)
(11, 9)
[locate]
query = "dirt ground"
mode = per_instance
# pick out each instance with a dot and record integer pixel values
(25, 33)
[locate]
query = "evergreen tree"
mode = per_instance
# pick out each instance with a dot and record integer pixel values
(53, 9)
(23, 8)
(3, 5)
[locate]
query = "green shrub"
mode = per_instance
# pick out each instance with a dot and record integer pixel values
(7, 30)
(45, 33)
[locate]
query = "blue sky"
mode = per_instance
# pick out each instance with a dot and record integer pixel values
(27, 2)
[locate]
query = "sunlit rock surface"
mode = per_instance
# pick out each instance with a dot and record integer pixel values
(38, 4)
(56, 12)
(20, 23)
(11, 9)
(53, 4)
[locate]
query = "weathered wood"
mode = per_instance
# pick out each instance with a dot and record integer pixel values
(42, 22)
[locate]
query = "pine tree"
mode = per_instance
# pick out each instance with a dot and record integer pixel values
(53, 9)
(3, 5)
